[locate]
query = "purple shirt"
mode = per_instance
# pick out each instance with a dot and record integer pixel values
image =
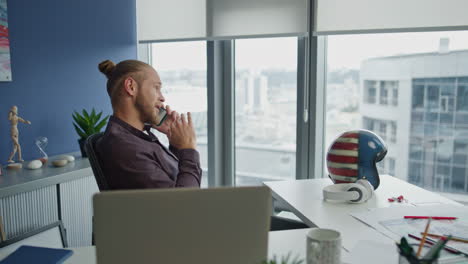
(132, 159)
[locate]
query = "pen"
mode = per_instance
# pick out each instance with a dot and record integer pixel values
(427, 217)
(431, 242)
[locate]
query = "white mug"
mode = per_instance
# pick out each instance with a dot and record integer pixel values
(323, 246)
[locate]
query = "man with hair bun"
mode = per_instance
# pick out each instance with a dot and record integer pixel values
(130, 155)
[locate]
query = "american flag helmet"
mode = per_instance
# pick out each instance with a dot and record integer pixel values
(353, 156)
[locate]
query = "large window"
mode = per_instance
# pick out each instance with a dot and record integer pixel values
(426, 76)
(370, 91)
(384, 93)
(265, 109)
(183, 72)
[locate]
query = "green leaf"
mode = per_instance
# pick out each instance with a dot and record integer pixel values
(79, 131)
(98, 117)
(85, 114)
(81, 122)
(86, 117)
(101, 124)
(93, 119)
(75, 115)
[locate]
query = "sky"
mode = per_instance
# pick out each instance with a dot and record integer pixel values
(344, 51)
(347, 51)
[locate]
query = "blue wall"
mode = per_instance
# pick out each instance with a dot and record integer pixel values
(55, 48)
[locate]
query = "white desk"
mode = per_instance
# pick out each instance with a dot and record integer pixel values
(280, 243)
(304, 198)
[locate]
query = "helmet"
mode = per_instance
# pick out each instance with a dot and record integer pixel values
(353, 155)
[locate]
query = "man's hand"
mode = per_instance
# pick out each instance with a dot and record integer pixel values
(165, 127)
(182, 133)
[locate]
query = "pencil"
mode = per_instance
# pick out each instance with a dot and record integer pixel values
(423, 239)
(458, 239)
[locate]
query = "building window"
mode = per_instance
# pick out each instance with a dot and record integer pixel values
(433, 98)
(387, 88)
(384, 93)
(370, 88)
(395, 94)
(415, 174)
(393, 131)
(265, 110)
(383, 130)
(462, 97)
(418, 96)
(444, 103)
(460, 150)
(459, 178)
(447, 94)
(416, 150)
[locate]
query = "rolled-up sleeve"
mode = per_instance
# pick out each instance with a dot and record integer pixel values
(190, 172)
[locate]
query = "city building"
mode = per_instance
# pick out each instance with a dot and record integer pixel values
(252, 92)
(418, 103)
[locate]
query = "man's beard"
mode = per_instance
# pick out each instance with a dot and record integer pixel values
(147, 112)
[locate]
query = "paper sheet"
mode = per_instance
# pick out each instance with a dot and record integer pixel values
(390, 221)
(403, 227)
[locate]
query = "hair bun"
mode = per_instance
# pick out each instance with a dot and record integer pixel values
(107, 67)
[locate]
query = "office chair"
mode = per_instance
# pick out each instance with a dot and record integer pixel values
(52, 235)
(101, 181)
(94, 161)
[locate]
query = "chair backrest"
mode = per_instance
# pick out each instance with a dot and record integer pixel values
(94, 161)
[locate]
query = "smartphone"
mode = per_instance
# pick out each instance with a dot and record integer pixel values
(162, 116)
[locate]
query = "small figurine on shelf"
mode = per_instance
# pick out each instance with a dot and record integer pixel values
(14, 118)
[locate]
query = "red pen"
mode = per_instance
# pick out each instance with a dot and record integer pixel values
(433, 217)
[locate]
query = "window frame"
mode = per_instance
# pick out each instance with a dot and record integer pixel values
(311, 105)
(310, 130)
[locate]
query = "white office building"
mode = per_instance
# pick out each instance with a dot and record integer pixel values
(419, 104)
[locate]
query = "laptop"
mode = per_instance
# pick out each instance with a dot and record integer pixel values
(181, 226)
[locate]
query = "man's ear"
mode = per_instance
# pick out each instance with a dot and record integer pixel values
(130, 86)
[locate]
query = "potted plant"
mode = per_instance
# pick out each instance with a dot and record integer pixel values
(86, 125)
(284, 260)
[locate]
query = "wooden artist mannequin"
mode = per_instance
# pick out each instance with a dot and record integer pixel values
(14, 118)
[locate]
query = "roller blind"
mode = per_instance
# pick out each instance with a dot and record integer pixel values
(354, 16)
(171, 20)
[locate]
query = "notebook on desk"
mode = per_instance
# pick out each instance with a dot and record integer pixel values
(37, 255)
(180, 226)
